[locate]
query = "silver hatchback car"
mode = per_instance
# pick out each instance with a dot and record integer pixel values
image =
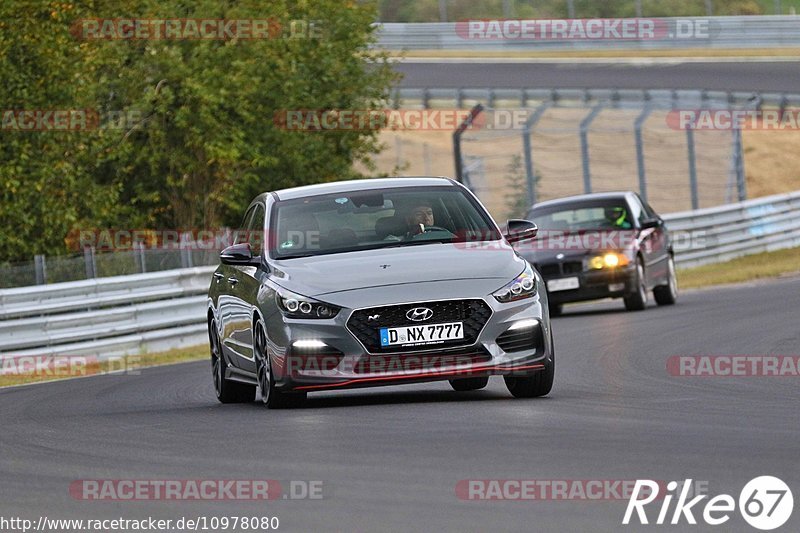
(376, 282)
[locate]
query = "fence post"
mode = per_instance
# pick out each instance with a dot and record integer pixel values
(40, 267)
(528, 149)
(459, 164)
(640, 120)
(692, 167)
(90, 262)
(138, 249)
(585, 123)
(738, 157)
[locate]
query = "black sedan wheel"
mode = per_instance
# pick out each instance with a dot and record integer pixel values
(270, 395)
(638, 300)
(668, 294)
(227, 391)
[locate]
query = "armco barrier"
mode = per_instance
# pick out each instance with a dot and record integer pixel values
(726, 232)
(723, 32)
(163, 310)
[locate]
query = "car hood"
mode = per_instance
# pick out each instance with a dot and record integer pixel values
(326, 274)
(561, 245)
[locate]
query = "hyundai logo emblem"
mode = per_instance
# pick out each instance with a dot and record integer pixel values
(419, 314)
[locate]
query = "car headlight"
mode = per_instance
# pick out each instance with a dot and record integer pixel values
(608, 260)
(293, 305)
(523, 286)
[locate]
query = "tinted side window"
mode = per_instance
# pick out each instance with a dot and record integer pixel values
(241, 232)
(255, 230)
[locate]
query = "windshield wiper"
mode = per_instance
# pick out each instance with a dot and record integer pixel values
(400, 244)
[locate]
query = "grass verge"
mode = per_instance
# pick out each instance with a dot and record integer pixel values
(747, 268)
(39, 368)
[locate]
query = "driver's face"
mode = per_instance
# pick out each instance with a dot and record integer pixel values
(421, 215)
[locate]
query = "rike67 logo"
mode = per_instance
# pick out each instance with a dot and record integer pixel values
(765, 503)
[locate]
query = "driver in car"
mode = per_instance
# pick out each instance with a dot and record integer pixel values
(419, 217)
(617, 217)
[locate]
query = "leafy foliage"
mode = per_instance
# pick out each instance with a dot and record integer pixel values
(200, 141)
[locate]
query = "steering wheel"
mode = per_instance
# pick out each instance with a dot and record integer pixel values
(436, 228)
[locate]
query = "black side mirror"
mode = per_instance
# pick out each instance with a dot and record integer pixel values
(654, 222)
(520, 230)
(239, 254)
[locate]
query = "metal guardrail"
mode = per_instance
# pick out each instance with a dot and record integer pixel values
(774, 31)
(106, 316)
(725, 232)
(159, 311)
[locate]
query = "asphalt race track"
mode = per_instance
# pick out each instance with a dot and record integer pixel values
(390, 458)
(764, 76)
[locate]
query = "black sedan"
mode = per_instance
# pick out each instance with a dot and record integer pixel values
(606, 245)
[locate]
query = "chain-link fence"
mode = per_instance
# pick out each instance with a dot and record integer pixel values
(94, 263)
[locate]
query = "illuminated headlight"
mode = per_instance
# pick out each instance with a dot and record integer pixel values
(523, 286)
(295, 306)
(608, 260)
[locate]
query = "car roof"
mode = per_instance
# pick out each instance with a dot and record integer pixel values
(616, 195)
(367, 184)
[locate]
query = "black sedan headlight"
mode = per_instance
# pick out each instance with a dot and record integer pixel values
(293, 305)
(523, 286)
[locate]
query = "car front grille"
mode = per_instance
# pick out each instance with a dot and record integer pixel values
(365, 324)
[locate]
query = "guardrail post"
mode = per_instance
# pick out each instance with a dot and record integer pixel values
(459, 163)
(692, 167)
(40, 267)
(640, 120)
(738, 159)
(89, 262)
(528, 149)
(585, 123)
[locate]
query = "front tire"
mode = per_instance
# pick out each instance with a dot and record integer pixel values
(668, 294)
(536, 385)
(271, 397)
(467, 384)
(227, 391)
(638, 300)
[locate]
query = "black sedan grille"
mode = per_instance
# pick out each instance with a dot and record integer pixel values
(365, 324)
(554, 270)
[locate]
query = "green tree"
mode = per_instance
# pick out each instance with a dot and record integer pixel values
(205, 140)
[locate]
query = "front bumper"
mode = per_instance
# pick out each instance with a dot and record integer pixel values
(594, 285)
(344, 362)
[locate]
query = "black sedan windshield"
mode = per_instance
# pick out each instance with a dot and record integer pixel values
(610, 214)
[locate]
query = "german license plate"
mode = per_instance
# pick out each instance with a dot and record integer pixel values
(563, 284)
(428, 334)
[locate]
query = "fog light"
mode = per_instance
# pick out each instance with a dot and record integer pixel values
(309, 344)
(523, 324)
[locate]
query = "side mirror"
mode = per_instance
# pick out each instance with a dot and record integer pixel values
(651, 223)
(239, 254)
(520, 230)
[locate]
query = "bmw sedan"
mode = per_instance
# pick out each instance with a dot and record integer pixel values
(603, 245)
(375, 282)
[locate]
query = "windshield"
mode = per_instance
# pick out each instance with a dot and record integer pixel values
(612, 214)
(365, 220)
